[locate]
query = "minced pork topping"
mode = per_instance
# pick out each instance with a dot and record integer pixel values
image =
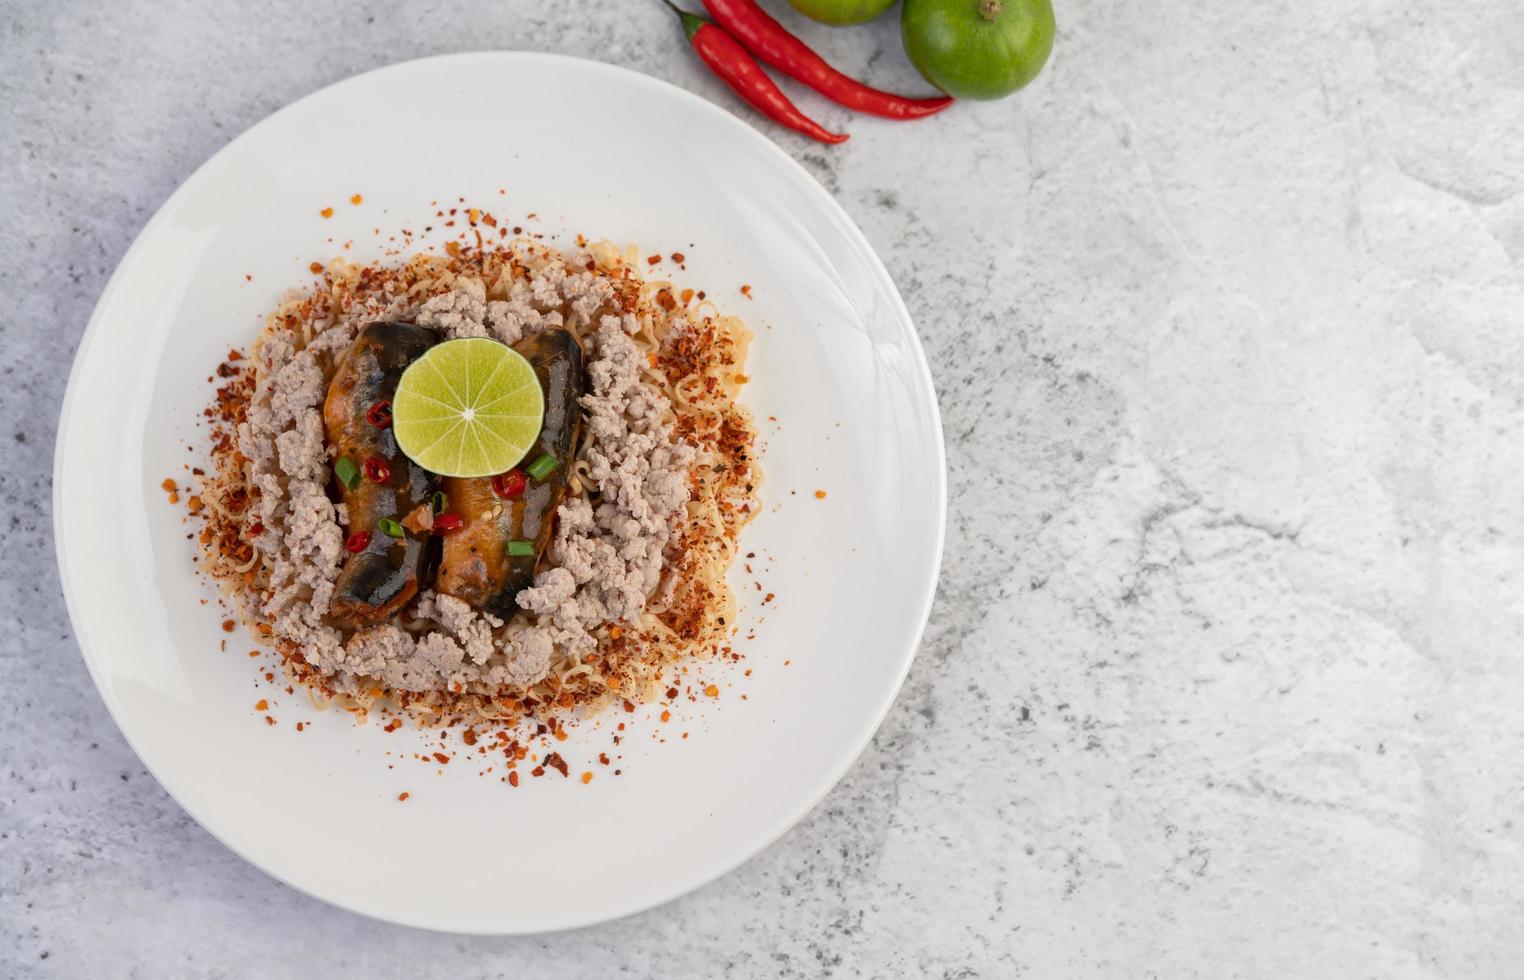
(601, 566)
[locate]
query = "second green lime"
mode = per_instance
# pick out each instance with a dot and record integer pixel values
(978, 49)
(842, 12)
(468, 408)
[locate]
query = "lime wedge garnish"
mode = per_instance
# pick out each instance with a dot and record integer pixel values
(469, 407)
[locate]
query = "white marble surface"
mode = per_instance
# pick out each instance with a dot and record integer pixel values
(1224, 678)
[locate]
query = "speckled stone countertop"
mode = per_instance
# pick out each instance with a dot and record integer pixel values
(1226, 673)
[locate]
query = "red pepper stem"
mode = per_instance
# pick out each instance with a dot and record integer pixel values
(692, 23)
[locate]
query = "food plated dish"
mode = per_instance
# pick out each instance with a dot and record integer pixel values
(494, 481)
(841, 403)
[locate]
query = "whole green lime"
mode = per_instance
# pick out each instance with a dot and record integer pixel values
(842, 12)
(978, 49)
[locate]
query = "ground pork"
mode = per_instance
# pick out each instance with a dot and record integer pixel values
(601, 566)
(462, 312)
(605, 561)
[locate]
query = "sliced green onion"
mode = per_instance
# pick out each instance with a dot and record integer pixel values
(541, 467)
(390, 527)
(440, 502)
(348, 473)
(521, 549)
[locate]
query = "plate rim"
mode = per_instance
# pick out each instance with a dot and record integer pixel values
(809, 800)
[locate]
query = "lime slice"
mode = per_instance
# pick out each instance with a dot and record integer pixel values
(468, 407)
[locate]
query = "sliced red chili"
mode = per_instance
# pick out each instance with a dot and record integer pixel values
(377, 470)
(380, 414)
(510, 485)
(448, 523)
(356, 542)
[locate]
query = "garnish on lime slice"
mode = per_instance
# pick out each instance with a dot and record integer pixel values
(470, 407)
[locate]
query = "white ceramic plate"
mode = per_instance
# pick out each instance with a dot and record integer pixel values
(592, 149)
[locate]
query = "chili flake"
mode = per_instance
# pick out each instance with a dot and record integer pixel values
(377, 470)
(509, 485)
(380, 414)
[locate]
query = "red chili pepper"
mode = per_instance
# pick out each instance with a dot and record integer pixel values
(377, 470)
(727, 59)
(356, 542)
(510, 485)
(448, 523)
(380, 414)
(770, 41)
